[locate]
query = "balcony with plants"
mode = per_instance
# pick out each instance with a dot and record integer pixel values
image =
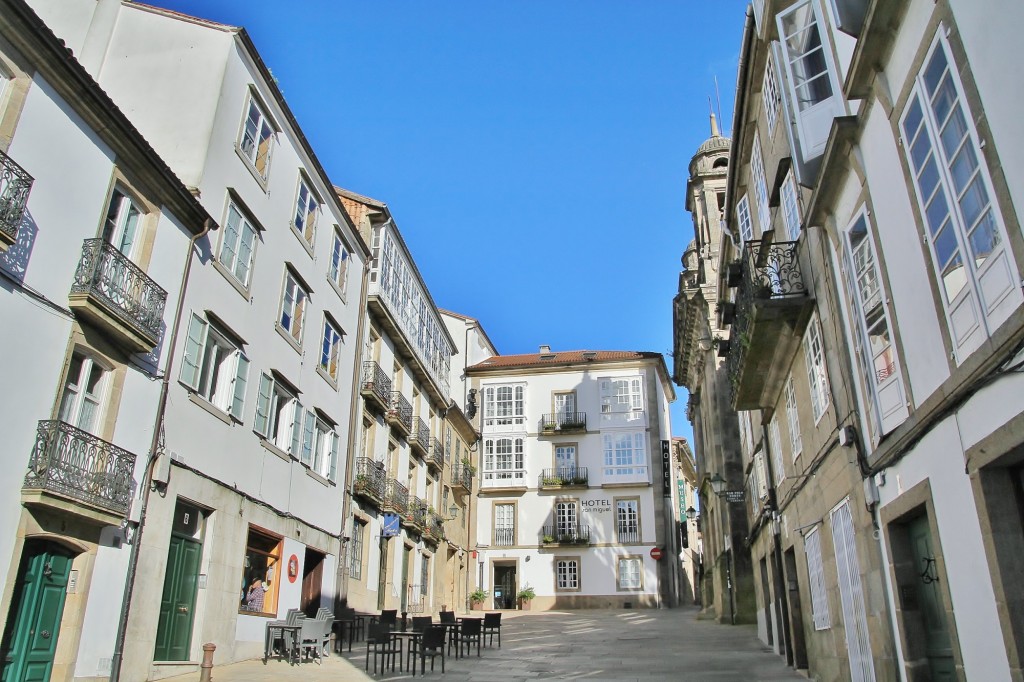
(375, 386)
(399, 414)
(433, 528)
(419, 441)
(772, 307)
(415, 516)
(562, 535)
(370, 481)
(15, 184)
(118, 295)
(563, 423)
(396, 497)
(462, 475)
(564, 477)
(78, 473)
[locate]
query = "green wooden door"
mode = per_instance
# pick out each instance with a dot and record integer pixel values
(39, 604)
(937, 642)
(174, 628)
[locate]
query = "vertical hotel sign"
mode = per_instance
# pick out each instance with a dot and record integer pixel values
(666, 468)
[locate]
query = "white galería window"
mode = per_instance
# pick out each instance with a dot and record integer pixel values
(330, 348)
(293, 306)
(629, 573)
(279, 415)
(340, 259)
(504, 405)
(816, 575)
(764, 216)
(790, 207)
(770, 92)
(817, 377)
(503, 460)
(238, 245)
(257, 138)
(567, 574)
(793, 419)
(964, 229)
(214, 366)
(743, 219)
(622, 395)
(625, 456)
(83, 393)
(307, 210)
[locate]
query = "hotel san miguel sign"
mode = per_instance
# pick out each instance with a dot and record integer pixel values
(666, 468)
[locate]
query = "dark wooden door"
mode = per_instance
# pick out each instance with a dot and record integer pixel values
(937, 643)
(312, 582)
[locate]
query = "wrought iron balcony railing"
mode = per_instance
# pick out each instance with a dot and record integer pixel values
(565, 534)
(462, 477)
(420, 438)
(370, 479)
(396, 496)
(563, 422)
(415, 512)
(77, 464)
(400, 412)
(433, 527)
(375, 385)
(15, 184)
(565, 477)
(504, 536)
(120, 286)
(435, 457)
(628, 536)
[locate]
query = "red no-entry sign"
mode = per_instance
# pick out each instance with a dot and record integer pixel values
(656, 553)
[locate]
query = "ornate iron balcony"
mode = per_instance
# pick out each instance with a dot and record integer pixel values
(565, 534)
(375, 385)
(420, 438)
(415, 515)
(15, 184)
(109, 278)
(396, 496)
(563, 422)
(565, 477)
(370, 479)
(435, 458)
(77, 464)
(462, 477)
(400, 413)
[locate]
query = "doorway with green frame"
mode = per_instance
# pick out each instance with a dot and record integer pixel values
(181, 585)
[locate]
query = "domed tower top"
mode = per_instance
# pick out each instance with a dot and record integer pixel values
(712, 157)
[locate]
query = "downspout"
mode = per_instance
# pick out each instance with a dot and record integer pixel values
(354, 424)
(155, 444)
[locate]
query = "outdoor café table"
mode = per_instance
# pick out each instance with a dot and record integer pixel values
(343, 624)
(290, 631)
(453, 631)
(414, 637)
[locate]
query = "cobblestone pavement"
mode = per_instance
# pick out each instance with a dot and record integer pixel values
(592, 645)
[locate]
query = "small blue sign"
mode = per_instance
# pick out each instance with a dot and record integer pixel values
(390, 528)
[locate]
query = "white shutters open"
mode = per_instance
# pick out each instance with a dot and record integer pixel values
(851, 595)
(816, 576)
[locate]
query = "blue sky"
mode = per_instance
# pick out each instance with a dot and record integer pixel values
(534, 153)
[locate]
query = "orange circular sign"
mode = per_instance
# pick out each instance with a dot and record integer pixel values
(293, 568)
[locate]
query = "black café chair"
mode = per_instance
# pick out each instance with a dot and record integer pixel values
(383, 645)
(388, 617)
(470, 632)
(447, 616)
(431, 644)
(420, 623)
(492, 624)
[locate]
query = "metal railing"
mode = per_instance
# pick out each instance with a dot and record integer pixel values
(396, 496)
(629, 536)
(565, 534)
(370, 478)
(564, 421)
(435, 457)
(420, 437)
(110, 276)
(400, 411)
(565, 476)
(462, 475)
(435, 526)
(15, 184)
(415, 512)
(504, 537)
(376, 382)
(77, 464)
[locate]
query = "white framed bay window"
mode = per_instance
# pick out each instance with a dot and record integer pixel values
(625, 457)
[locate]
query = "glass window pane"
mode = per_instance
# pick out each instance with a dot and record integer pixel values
(954, 132)
(933, 73)
(973, 202)
(985, 238)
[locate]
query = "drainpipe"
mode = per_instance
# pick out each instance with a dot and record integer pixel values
(133, 557)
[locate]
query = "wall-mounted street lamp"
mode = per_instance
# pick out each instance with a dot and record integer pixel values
(691, 513)
(453, 513)
(717, 484)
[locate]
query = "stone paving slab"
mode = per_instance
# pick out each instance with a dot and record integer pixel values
(595, 646)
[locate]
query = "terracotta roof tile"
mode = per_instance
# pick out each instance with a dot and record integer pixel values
(559, 358)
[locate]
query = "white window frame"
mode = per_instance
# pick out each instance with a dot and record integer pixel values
(743, 219)
(789, 199)
(330, 347)
(341, 258)
(294, 300)
(988, 291)
(504, 459)
(770, 94)
(817, 375)
(567, 574)
(122, 227)
(627, 520)
(632, 579)
(764, 216)
(279, 415)
(775, 443)
(504, 404)
(214, 366)
(816, 580)
(796, 443)
(504, 509)
(355, 550)
(625, 455)
(567, 519)
(256, 130)
(238, 245)
(76, 395)
(307, 212)
(621, 395)
(325, 450)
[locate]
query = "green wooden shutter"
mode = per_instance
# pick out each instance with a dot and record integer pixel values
(263, 405)
(241, 379)
(333, 462)
(195, 342)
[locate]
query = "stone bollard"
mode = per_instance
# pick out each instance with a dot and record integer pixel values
(206, 668)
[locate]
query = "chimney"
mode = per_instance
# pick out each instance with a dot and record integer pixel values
(545, 350)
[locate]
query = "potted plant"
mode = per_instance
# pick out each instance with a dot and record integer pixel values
(477, 598)
(548, 539)
(552, 480)
(525, 596)
(468, 466)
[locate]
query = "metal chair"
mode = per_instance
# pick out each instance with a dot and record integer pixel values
(421, 623)
(447, 616)
(470, 631)
(388, 617)
(311, 638)
(384, 646)
(431, 644)
(492, 624)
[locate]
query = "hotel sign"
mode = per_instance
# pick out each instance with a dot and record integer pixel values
(666, 468)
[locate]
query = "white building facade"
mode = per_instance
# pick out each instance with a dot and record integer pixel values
(577, 489)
